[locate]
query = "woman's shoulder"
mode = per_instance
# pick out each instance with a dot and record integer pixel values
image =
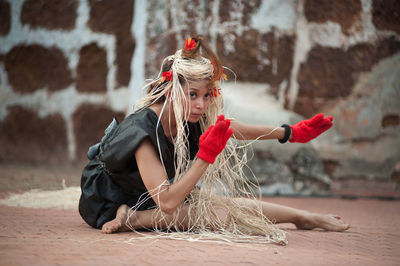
(145, 119)
(137, 124)
(118, 148)
(145, 114)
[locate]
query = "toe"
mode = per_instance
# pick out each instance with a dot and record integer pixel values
(335, 216)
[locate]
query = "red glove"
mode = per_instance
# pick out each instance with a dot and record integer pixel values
(306, 130)
(213, 140)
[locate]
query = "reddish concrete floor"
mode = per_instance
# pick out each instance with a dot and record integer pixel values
(48, 236)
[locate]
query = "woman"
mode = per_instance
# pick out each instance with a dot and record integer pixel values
(157, 169)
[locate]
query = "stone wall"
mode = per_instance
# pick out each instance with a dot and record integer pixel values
(68, 66)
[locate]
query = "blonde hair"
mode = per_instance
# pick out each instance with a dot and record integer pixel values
(224, 180)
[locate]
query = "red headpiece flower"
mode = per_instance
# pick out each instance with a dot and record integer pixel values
(166, 76)
(190, 44)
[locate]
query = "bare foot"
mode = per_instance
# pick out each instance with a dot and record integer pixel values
(119, 223)
(329, 222)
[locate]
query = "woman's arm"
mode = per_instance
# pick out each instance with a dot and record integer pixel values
(152, 172)
(302, 132)
(168, 197)
(244, 131)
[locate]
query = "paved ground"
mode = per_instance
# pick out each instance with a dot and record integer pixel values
(49, 236)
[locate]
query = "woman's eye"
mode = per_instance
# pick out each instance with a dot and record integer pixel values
(192, 94)
(207, 96)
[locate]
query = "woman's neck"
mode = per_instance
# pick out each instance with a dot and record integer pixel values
(167, 119)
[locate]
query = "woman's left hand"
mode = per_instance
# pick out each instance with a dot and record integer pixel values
(306, 130)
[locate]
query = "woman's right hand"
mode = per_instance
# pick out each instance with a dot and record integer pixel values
(214, 139)
(306, 130)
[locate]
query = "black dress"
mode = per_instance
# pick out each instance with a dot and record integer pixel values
(112, 178)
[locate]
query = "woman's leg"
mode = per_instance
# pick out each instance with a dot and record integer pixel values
(144, 219)
(302, 219)
(274, 212)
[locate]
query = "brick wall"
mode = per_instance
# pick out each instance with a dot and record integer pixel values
(68, 66)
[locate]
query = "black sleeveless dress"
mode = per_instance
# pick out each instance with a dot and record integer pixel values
(112, 178)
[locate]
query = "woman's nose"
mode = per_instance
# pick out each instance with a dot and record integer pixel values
(200, 103)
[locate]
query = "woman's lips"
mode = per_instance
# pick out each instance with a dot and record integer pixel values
(196, 117)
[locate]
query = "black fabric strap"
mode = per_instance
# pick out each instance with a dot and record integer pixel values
(288, 130)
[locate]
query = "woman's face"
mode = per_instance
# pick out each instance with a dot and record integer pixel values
(198, 96)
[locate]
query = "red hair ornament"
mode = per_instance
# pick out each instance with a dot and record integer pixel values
(215, 92)
(166, 76)
(190, 44)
